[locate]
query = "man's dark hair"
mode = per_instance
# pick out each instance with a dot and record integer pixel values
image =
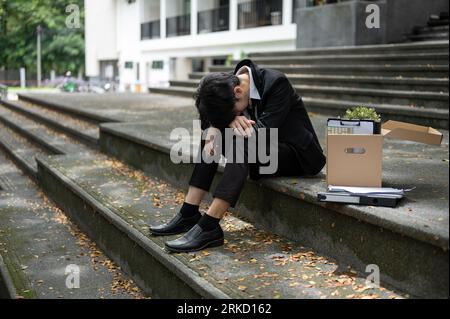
(215, 99)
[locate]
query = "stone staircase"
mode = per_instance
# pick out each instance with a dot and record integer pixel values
(37, 241)
(436, 29)
(406, 82)
(280, 243)
(114, 204)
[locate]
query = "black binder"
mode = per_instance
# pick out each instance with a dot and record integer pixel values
(366, 200)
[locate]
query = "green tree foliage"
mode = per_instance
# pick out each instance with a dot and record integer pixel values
(62, 47)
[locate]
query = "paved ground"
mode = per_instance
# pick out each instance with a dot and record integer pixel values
(38, 242)
(405, 165)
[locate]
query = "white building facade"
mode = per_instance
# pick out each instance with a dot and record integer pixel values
(147, 43)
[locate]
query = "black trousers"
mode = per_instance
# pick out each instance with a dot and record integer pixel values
(236, 172)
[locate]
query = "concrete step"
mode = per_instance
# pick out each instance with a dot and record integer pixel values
(382, 59)
(252, 263)
(289, 207)
(82, 130)
(425, 47)
(197, 75)
(423, 71)
(101, 108)
(179, 91)
(438, 22)
(382, 83)
(53, 141)
(7, 289)
(333, 104)
(427, 100)
(192, 84)
(366, 95)
(38, 243)
(20, 150)
(77, 113)
(417, 230)
(429, 36)
(437, 118)
(423, 30)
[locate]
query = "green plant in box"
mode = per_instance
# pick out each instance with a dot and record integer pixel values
(362, 113)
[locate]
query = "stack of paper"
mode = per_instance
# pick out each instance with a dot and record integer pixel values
(399, 193)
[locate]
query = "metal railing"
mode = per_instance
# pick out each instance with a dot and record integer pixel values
(177, 26)
(258, 13)
(214, 20)
(151, 30)
(3, 92)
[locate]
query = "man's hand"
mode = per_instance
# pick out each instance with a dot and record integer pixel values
(242, 126)
(210, 141)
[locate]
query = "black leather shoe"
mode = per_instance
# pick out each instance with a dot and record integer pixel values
(196, 239)
(177, 225)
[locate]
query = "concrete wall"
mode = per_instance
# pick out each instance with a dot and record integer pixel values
(403, 15)
(128, 38)
(343, 23)
(339, 24)
(100, 34)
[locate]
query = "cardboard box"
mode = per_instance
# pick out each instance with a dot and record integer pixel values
(357, 160)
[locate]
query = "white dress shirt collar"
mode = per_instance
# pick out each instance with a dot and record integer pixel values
(254, 94)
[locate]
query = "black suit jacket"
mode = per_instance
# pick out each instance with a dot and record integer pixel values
(281, 107)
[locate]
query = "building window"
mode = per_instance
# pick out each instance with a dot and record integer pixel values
(259, 13)
(219, 61)
(295, 6)
(213, 16)
(109, 70)
(198, 65)
(150, 19)
(158, 65)
(151, 30)
(178, 23)
(129, 65)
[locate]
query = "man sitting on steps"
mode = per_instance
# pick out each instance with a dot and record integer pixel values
(248, 100)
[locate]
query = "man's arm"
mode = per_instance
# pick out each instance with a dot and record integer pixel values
(277, 105)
